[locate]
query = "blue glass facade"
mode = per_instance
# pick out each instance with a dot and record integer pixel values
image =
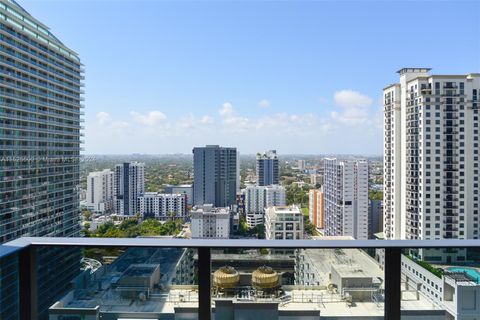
(9, 288)
(215, 171)
(267, 168)
(40, 124)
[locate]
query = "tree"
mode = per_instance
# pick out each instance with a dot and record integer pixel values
(259, 231)
(86, 230)
(150, 227)
(102, 229)
(308, 226)
(296, 195)
(171, 215)
(87, 215)
(131, 228)
(375, 195)
(242, 226)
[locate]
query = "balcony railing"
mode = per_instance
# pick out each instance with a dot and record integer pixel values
(26, 248)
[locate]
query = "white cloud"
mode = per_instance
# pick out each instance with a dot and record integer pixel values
(351, 99)
(187, 122)
(191, 121)
(354, 125)
(231, 118)
(226, 110)
(206, 120)
(153, 118)
(103, 117)
(354, 108)
(264, 103)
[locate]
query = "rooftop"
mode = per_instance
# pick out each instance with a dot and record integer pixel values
(140, 270)
(414, 70)
(210, 208)
(347, 262)
(280, 209)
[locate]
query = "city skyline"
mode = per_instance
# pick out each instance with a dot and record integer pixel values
(246, 87)
(122, 238)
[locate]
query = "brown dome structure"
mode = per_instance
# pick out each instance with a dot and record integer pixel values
(265, 278)
(226, 278)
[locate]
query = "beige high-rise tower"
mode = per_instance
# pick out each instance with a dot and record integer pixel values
(431, 156)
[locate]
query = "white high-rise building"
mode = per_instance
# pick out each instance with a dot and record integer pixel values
(431, 156)
(162, 206)
(284, 223)
(346, 198)
(99, 196)
(257, 198)
(210, 222)
(129, 185)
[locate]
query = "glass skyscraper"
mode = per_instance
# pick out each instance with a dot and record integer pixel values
(267, 168)
(216, 175)
(40, 130)
(129, 184)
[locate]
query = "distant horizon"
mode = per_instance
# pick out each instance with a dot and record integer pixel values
(241, 154)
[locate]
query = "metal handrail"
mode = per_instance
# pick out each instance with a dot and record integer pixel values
(25, 242)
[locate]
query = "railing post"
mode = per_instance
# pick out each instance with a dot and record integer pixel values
(28, 283)
(392, 283)
(204, 284)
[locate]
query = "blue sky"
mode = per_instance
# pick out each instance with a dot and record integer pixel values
(299, 77)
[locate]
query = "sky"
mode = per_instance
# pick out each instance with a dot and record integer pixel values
(301, 77)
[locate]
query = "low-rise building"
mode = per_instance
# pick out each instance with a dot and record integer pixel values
(162, 206)
(455, 290)
(316, 179)
(257, 198)
(185, 189)
(98, 221)
(254, 219)
(284, 222)
(210, 222)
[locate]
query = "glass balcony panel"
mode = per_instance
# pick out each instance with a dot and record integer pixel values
(95, 282)
(232, 279)
(293, 283)
(443, 282)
